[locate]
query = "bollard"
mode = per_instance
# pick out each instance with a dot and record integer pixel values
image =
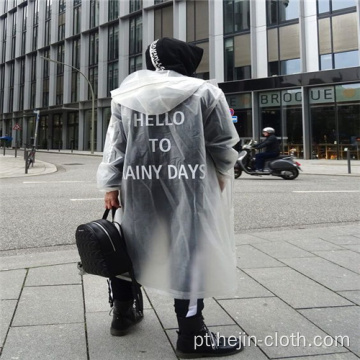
(349, 160)
(4, 147)
(26, 161)
(24, 151)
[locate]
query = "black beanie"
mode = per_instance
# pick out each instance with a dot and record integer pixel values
(173, 54)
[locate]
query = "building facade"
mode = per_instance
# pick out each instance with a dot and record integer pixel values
(290, 64)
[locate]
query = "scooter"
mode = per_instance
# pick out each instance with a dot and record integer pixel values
(283, 166)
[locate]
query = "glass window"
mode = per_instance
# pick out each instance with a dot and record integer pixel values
(325, 46)
(77, 20)
(61, 28)
(113, 9)
(342, 4)
(94, 13)
(197, 20)
(335, 113)
(292, 66)
(326, 62)
(163, 22)
(112, 76)
(135, 5)
(236, 15)
(289, 42)
(345, 33)
(136, 35)
(346, 59)
(94, 48)
(113, 42)
(279, 11)
(323, 6)
(229, 59)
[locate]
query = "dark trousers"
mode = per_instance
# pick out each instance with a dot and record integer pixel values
(261, 157)
(121, 290)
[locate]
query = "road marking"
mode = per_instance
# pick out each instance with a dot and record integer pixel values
(328, 191)
(88, 199)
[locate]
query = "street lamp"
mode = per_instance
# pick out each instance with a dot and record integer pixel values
(92, 133)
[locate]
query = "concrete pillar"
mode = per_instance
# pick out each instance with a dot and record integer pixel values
(258, 39)
(216, 41)
(307, 141)
(179, 20)
(309, 49)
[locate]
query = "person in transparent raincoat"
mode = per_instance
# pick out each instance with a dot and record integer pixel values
(168, 162)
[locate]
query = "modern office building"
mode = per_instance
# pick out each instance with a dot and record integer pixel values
(290, 64)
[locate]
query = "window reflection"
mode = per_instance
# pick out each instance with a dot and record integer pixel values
(279, 11)
(326, 62)
(290, 66)
(342, 4)
(346, 59)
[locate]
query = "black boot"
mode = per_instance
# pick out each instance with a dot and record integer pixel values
(125, 315)
(196, 341)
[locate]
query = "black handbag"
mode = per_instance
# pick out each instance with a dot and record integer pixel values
(102, 249)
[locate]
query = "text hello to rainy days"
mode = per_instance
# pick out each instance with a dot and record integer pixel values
(183, 171)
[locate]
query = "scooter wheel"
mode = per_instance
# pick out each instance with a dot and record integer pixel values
(294, 175)
(237, 172)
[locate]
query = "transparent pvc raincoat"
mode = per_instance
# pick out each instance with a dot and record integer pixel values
(169, 142)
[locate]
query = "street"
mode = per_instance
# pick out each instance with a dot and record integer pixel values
(39, 212)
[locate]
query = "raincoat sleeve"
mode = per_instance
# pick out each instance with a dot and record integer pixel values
(110, 170)
(220, 136)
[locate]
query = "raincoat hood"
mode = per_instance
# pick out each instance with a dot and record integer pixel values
(155, 92)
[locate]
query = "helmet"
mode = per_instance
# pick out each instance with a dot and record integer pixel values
(269, 130)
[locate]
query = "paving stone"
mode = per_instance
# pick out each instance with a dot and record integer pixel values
(147, 340)
(346, 258)
(11, 283)
(7, 308)
(97, 296)
(66, 341)
(164, 308)
(242, 239)
(311, 244)
(39, 259)
(341, 356)
(250, 351)
(50, 305)
(53, 275)
(296, 289)
(249, 257)
(352, 247)
(338, 322)
(343, 239)
(271, 320)
(276, 235)
(326, 273)
(247, 288)
(353, 296)
(282, 250)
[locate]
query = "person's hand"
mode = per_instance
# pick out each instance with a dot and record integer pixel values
(112, 199)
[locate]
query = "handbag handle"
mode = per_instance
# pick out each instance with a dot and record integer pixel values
(106, 213)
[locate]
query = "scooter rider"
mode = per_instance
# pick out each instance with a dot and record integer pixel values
(272, 148)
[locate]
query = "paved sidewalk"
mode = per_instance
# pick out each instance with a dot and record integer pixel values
(298, 288)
